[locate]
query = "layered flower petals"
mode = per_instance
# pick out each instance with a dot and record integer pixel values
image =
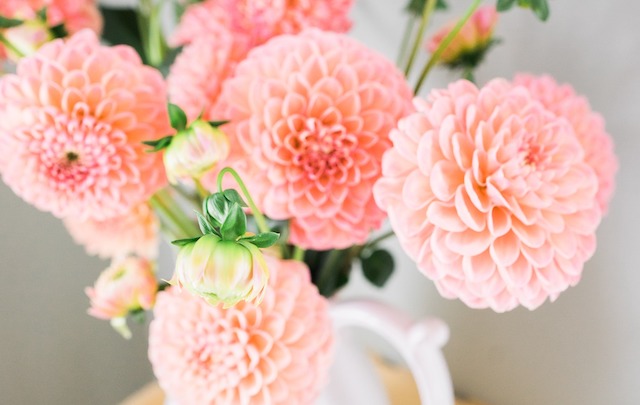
(491, 194)
(310, 116)
(277, 352)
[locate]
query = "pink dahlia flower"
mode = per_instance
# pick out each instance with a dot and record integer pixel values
(72, 122)
(490, 193)
(135, 232)
(587, 124)
(128, 284)
(310, 116)
(196, 77)
(74, 14)
(278, 352)
(259, 20)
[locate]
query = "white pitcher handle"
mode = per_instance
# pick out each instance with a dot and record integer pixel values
(419, 343)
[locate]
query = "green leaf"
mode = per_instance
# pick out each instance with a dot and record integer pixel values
(217, 124)
(233, 196)
(59, 31)
(177, 117)
(378, 267)
(138, 315)
(416, 7)
(121, 27)
(235, 224)
(541, 8)
(184, 242)
(159, 144)
(217, 207)
(9, 22)
(204, 224)
(504, 5)
(264, 239)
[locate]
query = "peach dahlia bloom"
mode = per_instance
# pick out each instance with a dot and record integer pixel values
(490, 193)
(259, 20)
(587, 124)
(278, 352)
(72, 122)
(310, 116)
(135, 232)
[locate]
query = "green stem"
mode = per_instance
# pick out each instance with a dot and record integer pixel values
(174, 220)
(380, 238)
(408, 30)
(260, 219)
(424, 21)
(201, 190)
(444, 44)
(11, 47)
(298, 254)
(151, 31)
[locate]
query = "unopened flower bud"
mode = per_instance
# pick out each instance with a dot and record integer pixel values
(194, 151)
(26, 38)
(470, 44)
(127, 285)
(222, 271)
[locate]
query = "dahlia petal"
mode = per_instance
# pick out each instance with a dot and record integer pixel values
(505, 250)
(444, 180)
(416, 191)
(478, 268)
(469, 242)
(445, 217)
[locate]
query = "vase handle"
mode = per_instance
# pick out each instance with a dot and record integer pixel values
(419, 343)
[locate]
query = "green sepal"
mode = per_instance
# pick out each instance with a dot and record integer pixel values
(263, 240)
(139, 316)
(217, 207)
(177, 117)
(378, 267)
(539, 7)
(59, 31)
(159, 144)
(217, 124)
(235, 223)
(416, 7)
(42, 14)
(504, 5)
(184, 242)
(9, 22)
(205, 225)
(233, 196)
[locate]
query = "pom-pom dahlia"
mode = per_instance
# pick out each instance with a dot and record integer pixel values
(587, 124)
(258, 21)
(310, 116)
(490, 193)
(278, 352)
(72, 122)
(135, 232)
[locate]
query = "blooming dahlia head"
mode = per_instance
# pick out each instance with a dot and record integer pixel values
(135, 232)
(587, 124)
(72, 122)
(490, 193)
(276, 353)
(259, 20)
(310, 116)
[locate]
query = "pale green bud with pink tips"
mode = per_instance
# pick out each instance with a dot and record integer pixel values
(222, 271)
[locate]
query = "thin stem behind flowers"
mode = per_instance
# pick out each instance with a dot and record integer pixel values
(260, 219)
(444, 44)
(173, 219)
(426, 14)
(11, 47)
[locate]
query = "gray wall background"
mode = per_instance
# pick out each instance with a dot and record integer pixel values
(583, 349)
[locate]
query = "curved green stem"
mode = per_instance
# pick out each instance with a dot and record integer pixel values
(444, 44)
(11, 47)
(260, 219)
(404, 45)
(298, 254)
(424, 21)
(149, 22)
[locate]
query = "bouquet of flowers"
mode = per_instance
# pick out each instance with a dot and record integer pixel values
(269, 147)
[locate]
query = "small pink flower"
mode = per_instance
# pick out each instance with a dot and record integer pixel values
(195, 79)
(278, 352)
(72, 123)
(129, 284)
(135, 232)
(474, 36)
(490, 193)
(26, 38)
(74, 14)
(310, 116)
(258, 21)
(588, 125)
